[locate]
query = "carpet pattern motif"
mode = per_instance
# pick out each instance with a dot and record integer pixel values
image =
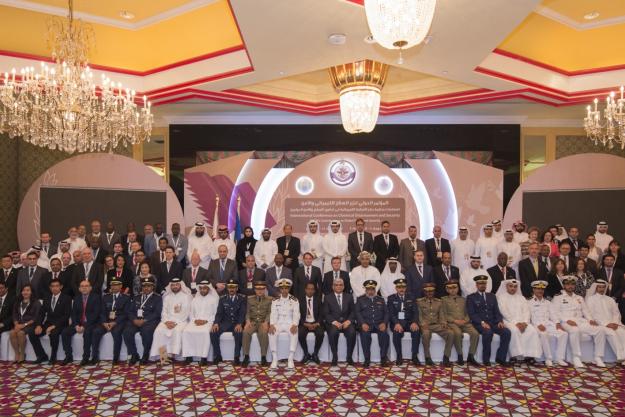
(193, 391)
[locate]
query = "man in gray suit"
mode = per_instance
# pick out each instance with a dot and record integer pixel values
(179, 242)
(222, 269)
(408, 247)
(249, 275)
(33, 275)
(194, 274)
(88, 270)
(276, 272)
(110, 238)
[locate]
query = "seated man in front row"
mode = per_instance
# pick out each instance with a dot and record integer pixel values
(338, 313)
(174, 318)
(404, 317)
(284, 318)
(113, 319)
(230, 317)
(144, 314)
(257, 321)
(432, 320)
(196, 335)
(372, 317)
(85, 318)
(454, 308)
(53, 319)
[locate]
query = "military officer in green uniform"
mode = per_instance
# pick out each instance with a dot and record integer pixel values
(257, 321)
(458, 322)
(432, 320)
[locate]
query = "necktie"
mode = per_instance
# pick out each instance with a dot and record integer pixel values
(412, 244)
(336, 274)
(45, 249)
(608, 274)
(420, 267)
(232, 299)
(535, 263)
(86, 270)
(1, 303)
(193, 274)
(30, 273)
(447, 271)
(308, 272)
(438, 244)
(250, 275)
(83, 319)
(340, 303)
(386, 240)
(484, 297)
(53, 302)
(503, 271)
(360, 240)
(162, 256)
(310, 311)
(168, 266)
(221, 269)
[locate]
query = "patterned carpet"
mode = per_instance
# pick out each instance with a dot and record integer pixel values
(188, 390)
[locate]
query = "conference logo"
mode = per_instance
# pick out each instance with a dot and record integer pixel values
(342, 173)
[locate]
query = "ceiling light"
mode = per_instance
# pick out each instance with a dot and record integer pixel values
(125, 14)
(359, 85)
(608, 130)
(592, 15)
(337, 39)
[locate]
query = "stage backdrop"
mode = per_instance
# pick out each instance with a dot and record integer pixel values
(439, 189)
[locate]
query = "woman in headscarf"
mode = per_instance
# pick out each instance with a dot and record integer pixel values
(245, 246)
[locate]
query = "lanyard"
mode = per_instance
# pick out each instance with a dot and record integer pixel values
(145, 301)
(175, 241)
(23, 310)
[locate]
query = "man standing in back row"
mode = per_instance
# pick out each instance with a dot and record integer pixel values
(435, 246)
(385, 245)
(357, 242)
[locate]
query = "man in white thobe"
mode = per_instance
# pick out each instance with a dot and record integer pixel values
(486, 247)
(312, 242)
(199, 241)
(224, 239)
(334, 244)
(520, 235)
(602, 238)
(467, 283)
(284, 318)
(176, 309)
(541, 317)
(510, 248)
(605, 310)
(571, 311)
(497, 230)
(524, 340)
(75, 241)
(196, 335)
(390, 274)
(265, 250)
(462, 248)
(362, 273)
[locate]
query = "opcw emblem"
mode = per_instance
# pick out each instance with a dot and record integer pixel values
(342, 172)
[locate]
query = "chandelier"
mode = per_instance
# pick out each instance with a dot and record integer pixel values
(359, 85)
(399, 24)
(59, 106)
(610, 129)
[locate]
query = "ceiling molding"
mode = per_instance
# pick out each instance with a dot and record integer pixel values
(107, 21)
(553, 123)
(574, 24)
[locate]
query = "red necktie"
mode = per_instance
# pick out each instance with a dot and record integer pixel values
(249, 275)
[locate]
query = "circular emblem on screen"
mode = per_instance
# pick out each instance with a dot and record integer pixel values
(342, 173)
(383, 185)
(304, 185)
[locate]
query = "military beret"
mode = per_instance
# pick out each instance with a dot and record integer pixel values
(232, 283)
(480, 278)
(400, 282)
(147, 281)
(260, 284)
(370, 283)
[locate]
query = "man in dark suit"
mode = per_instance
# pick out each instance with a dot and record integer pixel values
(194, 274)
(96, 231)
(110, 238)
(407, 248)
(372, 317)
(55, 273)
(222, 270)
(53, 320)
(565, 254)
(169, 269)
(128, 239)
(310, 321)
(404, 317)
(574, 241)
(334, 274)
(357, 242)
(7, 299)
(113, 318)
(385, 245)
(417, 275)
(89, 270)
(33, 275)
(158, 256)
(85, 317)
(98, 253)
(289, 246)
(230, 317)
(591, 264)
(305, 274)
(500, 272)
(144, 314)
(275, 273)
(249, 275)
(435, 246)
(339, 314)
(47, 247)
(443, 273)
(485, 316)
(531, 269)
(8, 275)
(613, 276)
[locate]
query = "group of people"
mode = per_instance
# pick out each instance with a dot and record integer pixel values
(182, 293)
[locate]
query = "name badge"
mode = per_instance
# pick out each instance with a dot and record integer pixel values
(439, 254)
(193, 285)
(140, 313)
(247, 253)
(401, 315)
(249, 285)
(112, 315)
(286, 252)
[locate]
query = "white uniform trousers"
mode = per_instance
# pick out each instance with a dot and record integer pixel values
(616, 339)
(524, 344)
(584, 327)
(171, 339)
(196, 340)
(545, 340)
(273, 338)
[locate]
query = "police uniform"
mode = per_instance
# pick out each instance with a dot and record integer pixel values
(432, 320)
(146, 307)
(454, 308)
(113, 312)
(541, 315)
(402, 310)
(372, 312)
(258, 311)
(231, 312)
(284, 315)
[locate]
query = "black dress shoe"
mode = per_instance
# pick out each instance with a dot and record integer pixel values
(144, 361)
(188, 360)
(460, 361)
(334, 362)
(115, 362)
(399, 361)
(315, 359)
(236, 361)
(486, 363)
(306, 358)
(246, 361)
(416, 361)
(365, 364)
(471, 361)
(84, 362)
(52, 362)
(350, 362)
(429, 362)
(94, 361)
(504, 363)
(530, 361)
(263, 361)
(216, 360)
(41, 360)
(446, 361)
(203, 362)
(384, 362)
(133, 360)
(67, 361)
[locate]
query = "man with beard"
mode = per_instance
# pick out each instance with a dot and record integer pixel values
(196, 334)
(223, 238)
(265, 250)
(201, 243)
(174, 318)
(334, 244)
(312, 242)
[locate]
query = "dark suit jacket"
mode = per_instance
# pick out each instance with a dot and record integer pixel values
(440, 279)
(104, 241)
(328, 280)
(155, 261)
(316, 307)
(61, 314)
(572, 260)
(300, 281)
(554, 287)
(591, 266)
(11, 280)
(96, 277)
(257, 275)
(152, 309)
(331, 311)
(430, 250)
(215, 275)
(479, 311)
(406, 252)
(175, 271)
(121, 308)
(527, 275)
(201, 275)
(36, 282)
(52, 249)
(241, 249)
(271, 278)
(354, 248)
(497, 276)
(6, 312)
(573, 247)
(94, 308)
(126, 278)
(294, 250)
(382, 252)
(415, 281)
(66, 279)
(99, 258)
(618, 281)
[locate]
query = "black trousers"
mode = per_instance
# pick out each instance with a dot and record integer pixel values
(302, 332)
(238, 339)
(147, 336)
(117, 333)
(68, 334)
(54, 336)
(333, 339)
(397, 337)
(365, 340)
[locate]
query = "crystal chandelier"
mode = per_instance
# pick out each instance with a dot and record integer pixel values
(359, 85)
(60, 106)
(399, 24)
(610, 130)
